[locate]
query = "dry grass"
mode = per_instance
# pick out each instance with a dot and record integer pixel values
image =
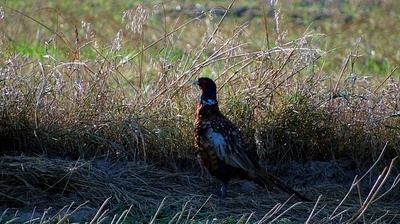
(130, 106)
(129, 100)
(105, 192)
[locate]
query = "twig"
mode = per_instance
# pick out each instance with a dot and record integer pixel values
(158, 210)
(313, 210)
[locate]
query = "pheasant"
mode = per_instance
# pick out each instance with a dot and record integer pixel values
(221, 149)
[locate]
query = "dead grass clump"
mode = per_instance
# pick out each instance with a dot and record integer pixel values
(40, 182)
(322, 122)
(308, 132)
(31, 181)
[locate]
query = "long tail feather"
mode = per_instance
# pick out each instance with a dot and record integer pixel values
(273, 183)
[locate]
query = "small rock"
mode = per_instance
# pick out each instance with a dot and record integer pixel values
(248, 186)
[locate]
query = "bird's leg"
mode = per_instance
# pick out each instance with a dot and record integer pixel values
(223, 189)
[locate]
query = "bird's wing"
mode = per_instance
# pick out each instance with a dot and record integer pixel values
(228, 144)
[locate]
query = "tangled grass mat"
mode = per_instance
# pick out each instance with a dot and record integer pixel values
(42, 190)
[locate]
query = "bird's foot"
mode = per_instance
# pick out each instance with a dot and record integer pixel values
(223, 190)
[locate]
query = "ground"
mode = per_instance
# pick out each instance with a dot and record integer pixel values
(38, 188)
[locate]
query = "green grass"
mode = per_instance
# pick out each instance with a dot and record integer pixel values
(318, 82)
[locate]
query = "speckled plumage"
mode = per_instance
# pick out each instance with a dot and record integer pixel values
(221, 149)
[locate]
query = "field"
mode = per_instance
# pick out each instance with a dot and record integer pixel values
(97, 109)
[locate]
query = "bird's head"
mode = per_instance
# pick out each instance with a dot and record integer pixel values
(209, 95)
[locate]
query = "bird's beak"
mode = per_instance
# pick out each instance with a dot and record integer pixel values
(196, 82)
